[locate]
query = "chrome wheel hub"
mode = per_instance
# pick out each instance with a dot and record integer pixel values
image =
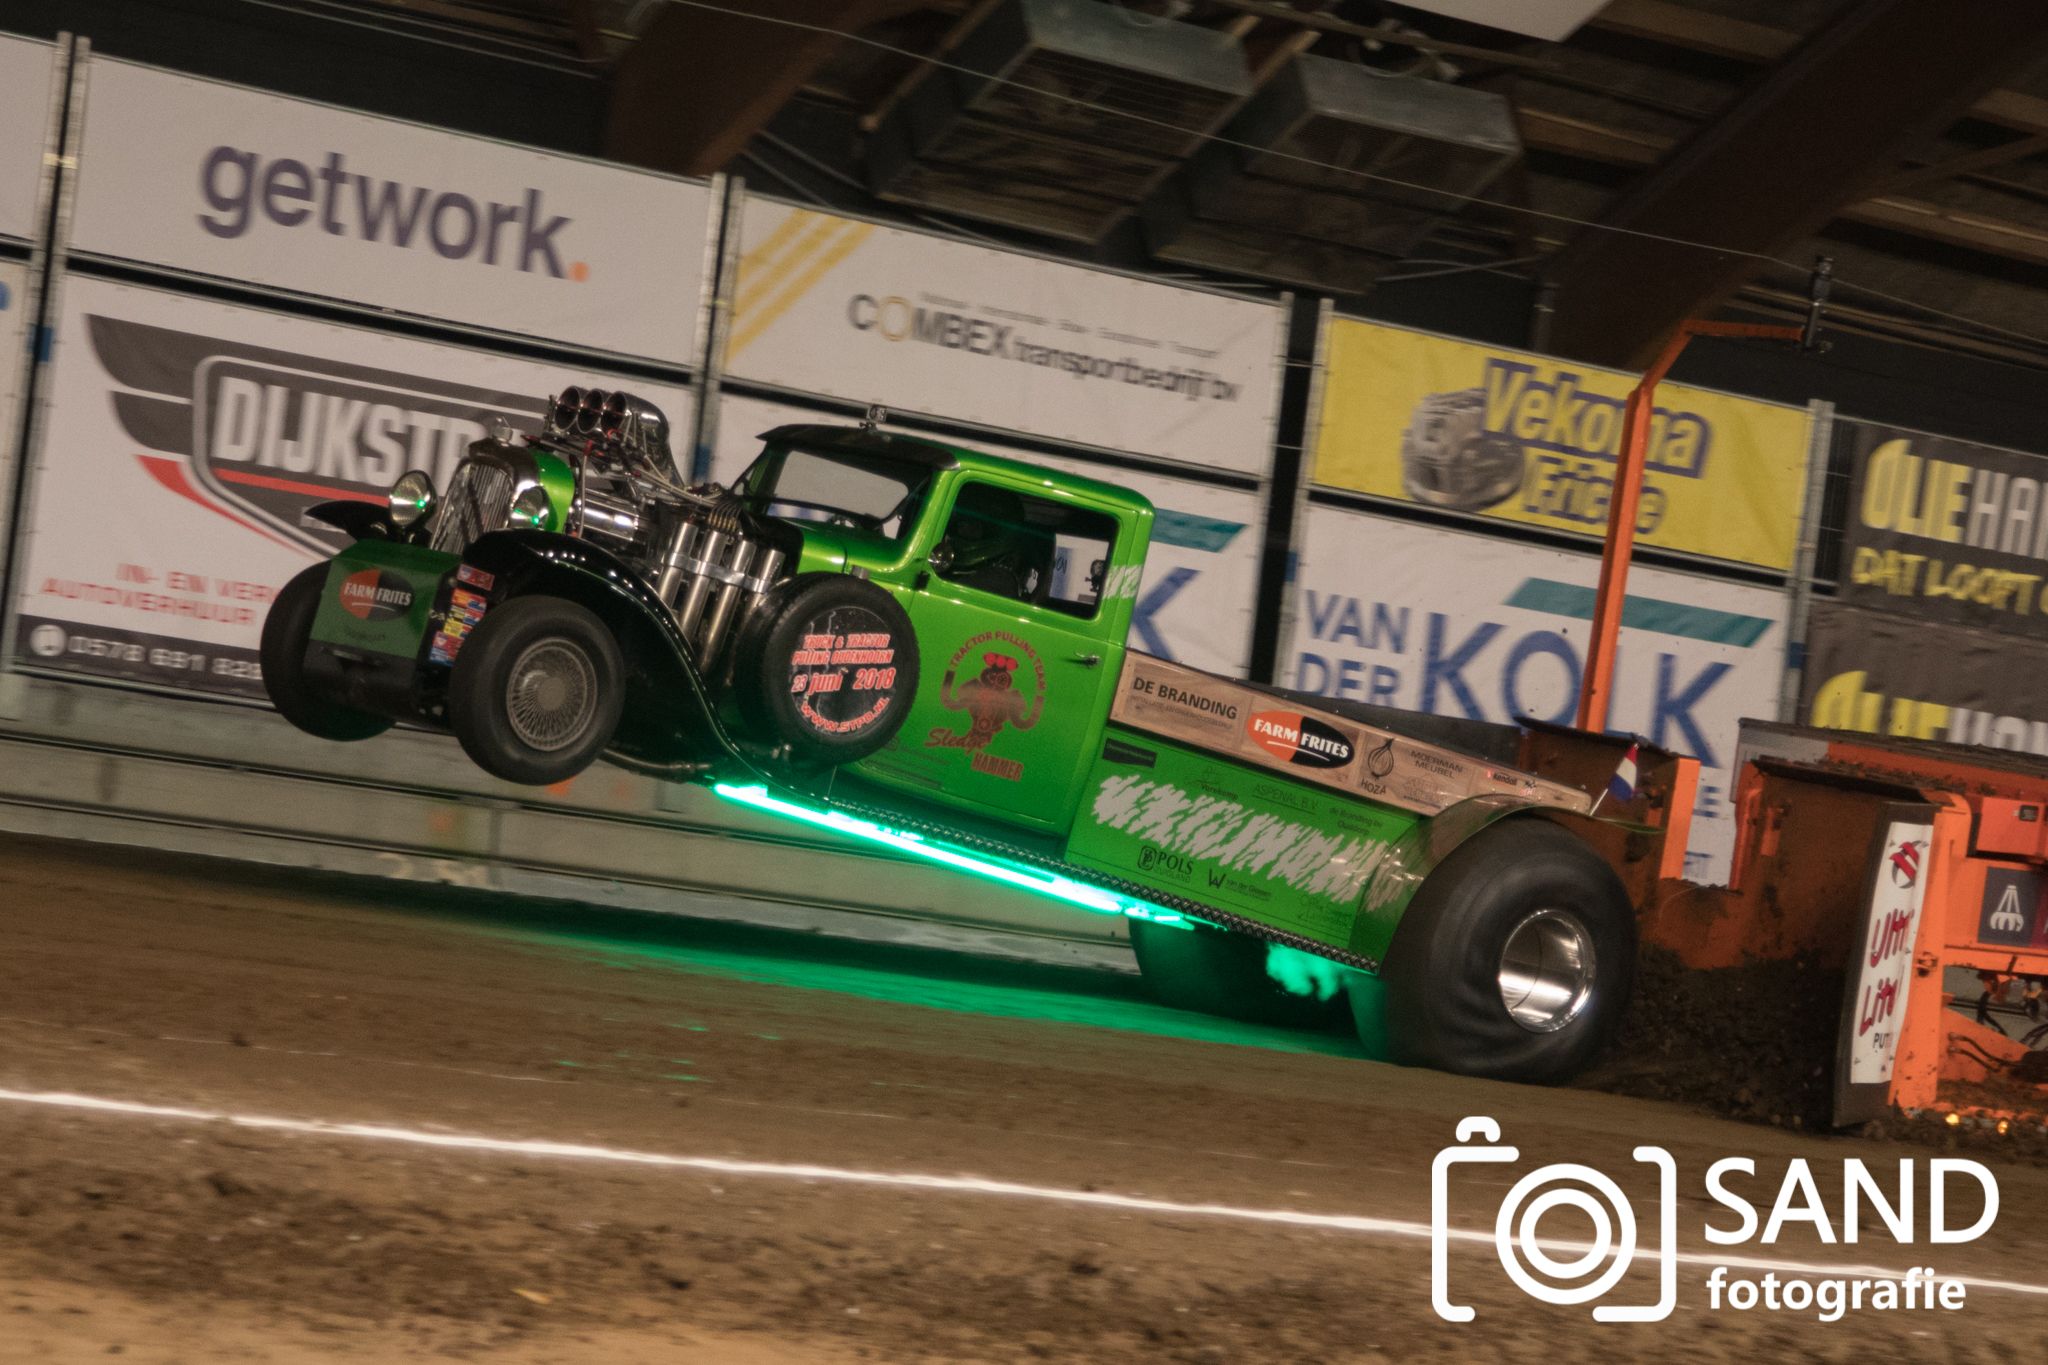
(551, 697)
(1546, 970)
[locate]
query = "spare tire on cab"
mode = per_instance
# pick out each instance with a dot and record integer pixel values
(828, 666)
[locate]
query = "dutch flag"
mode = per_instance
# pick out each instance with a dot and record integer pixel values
(1622, 786)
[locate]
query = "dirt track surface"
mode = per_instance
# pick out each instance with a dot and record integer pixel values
(206, 989)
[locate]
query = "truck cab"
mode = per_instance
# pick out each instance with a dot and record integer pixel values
(1019, 585)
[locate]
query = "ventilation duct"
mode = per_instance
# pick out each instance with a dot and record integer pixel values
(1331, 173)
(1043, 137)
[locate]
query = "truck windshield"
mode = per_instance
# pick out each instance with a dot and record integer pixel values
(861, 491)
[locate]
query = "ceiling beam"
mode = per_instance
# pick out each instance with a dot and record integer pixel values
(1700, 31)
(1810, 138)
(697, 86)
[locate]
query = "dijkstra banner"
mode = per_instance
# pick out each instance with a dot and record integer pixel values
(1195, 601)
(27, 84)
(276, 192)
(1532, 440)
(1465, 625)
(931, 325)
(184, 439)
(1946, 531)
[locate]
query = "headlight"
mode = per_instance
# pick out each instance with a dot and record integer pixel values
(412, 497)
(532, 510)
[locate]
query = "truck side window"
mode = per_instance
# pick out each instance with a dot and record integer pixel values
(1025, 548)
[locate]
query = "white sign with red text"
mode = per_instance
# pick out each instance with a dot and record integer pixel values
(185, 437)
(1884, 968)
(282, 193)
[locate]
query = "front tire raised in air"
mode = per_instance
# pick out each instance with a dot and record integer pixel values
(1514, 961)
(536, 693)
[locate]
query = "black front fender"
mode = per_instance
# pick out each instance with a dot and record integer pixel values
(669, 716)
(357, 519)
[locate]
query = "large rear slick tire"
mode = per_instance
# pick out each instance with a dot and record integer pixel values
(287, 631)
(1211, 971)
(1514, 961)
(536, 693)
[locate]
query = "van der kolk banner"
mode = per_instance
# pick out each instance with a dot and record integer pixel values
(1531, 439)
(1946, 530)
(1459, 624)
(281, 193)
(932, 325)
(1880, 673)
(1194, 603)
(185, 437)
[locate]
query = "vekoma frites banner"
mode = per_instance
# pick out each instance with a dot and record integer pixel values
(278, 192)
(1459, 624)
(1531, 439)
(1195, 600)
(27, 79)
(183, 440)
(1883, 674)
(1946, 530)
(932, 325)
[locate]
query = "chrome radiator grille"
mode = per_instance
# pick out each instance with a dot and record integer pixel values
(479, 499)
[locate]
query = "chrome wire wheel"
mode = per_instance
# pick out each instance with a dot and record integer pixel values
(1546, 970)
(551, 695)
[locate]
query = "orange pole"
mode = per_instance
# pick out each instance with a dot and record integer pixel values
(1596, 687)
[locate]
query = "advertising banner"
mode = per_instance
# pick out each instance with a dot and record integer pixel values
(1460, 624)
(1884, 965)
(1310, 745)
(1195, 600)
(1946, 531)
(1532, 440)
(945, 328)
(28, 73)
(269, 191)
(13, 300)
(1883, 674)
(184, 439)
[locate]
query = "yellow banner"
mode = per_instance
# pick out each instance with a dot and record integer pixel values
(1532, 439)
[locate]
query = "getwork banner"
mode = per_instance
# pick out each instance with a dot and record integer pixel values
(933, 325)
(28, 73)
(1531, 439)
(1195, 601)
(1460, 624)
(1883, 674)
(185, 437)
(215, 179)
(1946, 530)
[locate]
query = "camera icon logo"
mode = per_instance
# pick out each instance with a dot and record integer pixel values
(1592, 1268)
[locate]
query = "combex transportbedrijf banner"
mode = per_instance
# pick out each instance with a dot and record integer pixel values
(1461, 624)
(1195, 601)
(28, 72)
(933, 325)
(285, 194)
(1518, 437)
(185, 437)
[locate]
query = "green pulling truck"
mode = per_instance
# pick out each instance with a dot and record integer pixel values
(920, 645)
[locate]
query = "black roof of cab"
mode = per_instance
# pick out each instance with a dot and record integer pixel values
(866, 441)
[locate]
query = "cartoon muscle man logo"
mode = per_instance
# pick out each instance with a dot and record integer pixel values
(992, 699)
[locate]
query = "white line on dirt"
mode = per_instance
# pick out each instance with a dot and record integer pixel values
(945, 1184)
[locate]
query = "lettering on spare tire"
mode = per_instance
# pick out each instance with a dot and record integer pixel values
(843, 672)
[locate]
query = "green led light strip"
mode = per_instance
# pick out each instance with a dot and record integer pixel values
(1051, 884)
